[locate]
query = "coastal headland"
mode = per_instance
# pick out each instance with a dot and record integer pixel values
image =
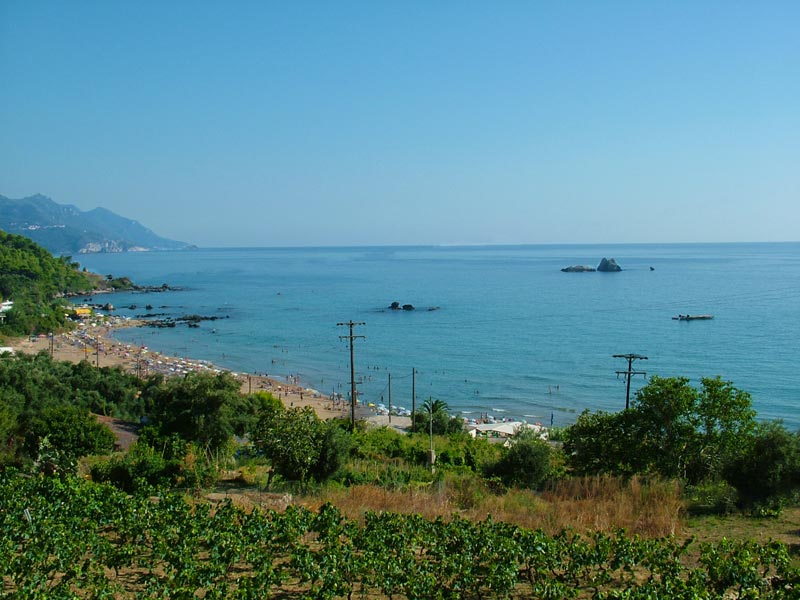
(93, 341)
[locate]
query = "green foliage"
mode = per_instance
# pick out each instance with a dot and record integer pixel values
(299, 445)
(385, 445)
(120, 283)
(597, 444)
(200, 407)
(139, 470)
(767, 470)
(143, 468)
(663, 424)
(31, 382)
(671, 429)
(70, 430)
(526, 463)
(67, 538)
(42, 398)
(32, 278)
(710, 498)
(434, 415)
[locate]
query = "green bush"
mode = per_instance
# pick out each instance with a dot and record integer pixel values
(710, 498)
(70, 432)
(526, 463)
(767, 471)
(299, 445)
(141, 469)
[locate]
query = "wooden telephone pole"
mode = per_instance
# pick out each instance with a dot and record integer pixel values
(629, 373)
(353, 396)
(413, 395)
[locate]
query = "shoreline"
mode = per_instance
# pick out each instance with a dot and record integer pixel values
(94, 342)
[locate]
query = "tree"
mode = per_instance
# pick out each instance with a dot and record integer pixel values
(671, 429)
(526, 463)
(663, 425)
(598, 442)
(767, 470)
(200, 407)
(725, 420)
(299, 445)
(70, 432)
(436, 411)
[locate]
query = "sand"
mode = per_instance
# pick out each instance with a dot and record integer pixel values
(93, 341)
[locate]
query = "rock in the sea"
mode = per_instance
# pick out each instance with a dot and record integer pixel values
(579, 269)
(397, 306)
(608, 265)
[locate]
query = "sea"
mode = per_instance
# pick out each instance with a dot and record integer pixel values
(495, 330)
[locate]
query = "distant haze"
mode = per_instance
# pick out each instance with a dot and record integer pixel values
(349, 123)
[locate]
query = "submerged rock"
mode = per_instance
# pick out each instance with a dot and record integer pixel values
(579, 269)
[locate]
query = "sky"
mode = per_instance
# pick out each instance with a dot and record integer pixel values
(381, 123)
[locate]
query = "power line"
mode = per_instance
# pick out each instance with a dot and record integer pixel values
(353, 396)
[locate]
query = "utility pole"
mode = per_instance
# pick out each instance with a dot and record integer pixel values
(352, 337)
(432, 452)
(390, 398)
(629, 373)
(413, 396)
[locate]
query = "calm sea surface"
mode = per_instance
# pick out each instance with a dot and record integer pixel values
(511, 334)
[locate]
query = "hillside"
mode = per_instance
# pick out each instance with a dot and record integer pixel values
(66, 230)
(32, 279)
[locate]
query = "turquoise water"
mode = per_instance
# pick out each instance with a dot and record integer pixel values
(512, 334)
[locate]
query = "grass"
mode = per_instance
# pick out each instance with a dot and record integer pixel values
(651, 509)
(784, 528)
(647, 508)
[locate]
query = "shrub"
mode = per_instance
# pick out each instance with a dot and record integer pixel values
(526, 463)
(767, 471)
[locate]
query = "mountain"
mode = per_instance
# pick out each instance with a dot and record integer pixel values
(65, 229)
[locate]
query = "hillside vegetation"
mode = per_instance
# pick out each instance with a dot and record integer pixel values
(35, 280)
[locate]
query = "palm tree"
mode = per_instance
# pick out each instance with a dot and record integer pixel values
(432, 406)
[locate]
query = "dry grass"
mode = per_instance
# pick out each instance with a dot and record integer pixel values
(650, 509)
(604, 503)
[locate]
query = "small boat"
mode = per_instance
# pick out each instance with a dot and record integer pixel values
(693, 318)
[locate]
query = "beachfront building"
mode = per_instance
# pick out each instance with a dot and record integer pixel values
(505, 430)
(81, 312)
(5, 306)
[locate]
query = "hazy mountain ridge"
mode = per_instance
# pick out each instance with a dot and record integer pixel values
(65, 229)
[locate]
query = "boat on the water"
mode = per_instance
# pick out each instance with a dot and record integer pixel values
(693, 318)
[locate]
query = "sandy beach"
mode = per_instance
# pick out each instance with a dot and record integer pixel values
(93, 341)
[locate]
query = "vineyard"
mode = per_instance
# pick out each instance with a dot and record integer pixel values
(69, 538)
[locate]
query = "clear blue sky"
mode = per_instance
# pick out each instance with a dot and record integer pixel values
(347, 123)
